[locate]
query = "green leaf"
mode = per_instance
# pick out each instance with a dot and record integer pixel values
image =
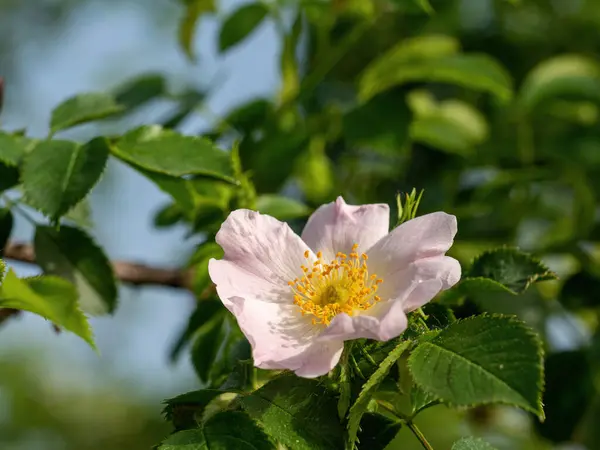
(187, 28)
(83, 108)
(167, 152)
(185, 410)
(6, 225)
(241, 23)
(282, 208)
(9, 177)
(199, 261)
(207, 341)
(223, 431)
(71, 254)
(56, 175)
(168, 215)
(421, 399)
(471, 443)
(511, 267)
(425, 6)
(377, 431)
(300, 413)
(453, 126)
(315, 172)
(482, 360)
(140, 90)
(13, 148)
(434, 59)
(359, 408)
(50, 297)
(566, 76)
(204, 312)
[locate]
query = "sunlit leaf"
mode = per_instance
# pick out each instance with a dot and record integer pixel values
(50, 297)
(83, 108)
(482, 360)
(566, 76)
(164, 151)
(58, 174)
(434, 59)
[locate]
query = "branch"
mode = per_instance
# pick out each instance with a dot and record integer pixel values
(126, 272)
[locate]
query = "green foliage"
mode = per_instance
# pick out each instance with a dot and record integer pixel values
(73, 255)
(434, 59)
(50, 297)
(225, 430)
(359, 408)
(185, 411)
(482, 360)
(377, 431)
(13, 148)
(510, 267)
(566, 76)
(56, 175)
(6, 225)
(81, 109)
(296, 412)
(207, 340)
(471, 443)
(163, 151)
(194, 9)
(281, 208)
(241, 23)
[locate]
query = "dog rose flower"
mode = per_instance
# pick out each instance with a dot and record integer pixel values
(297, 299)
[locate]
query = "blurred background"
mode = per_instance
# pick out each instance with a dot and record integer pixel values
(507, 140)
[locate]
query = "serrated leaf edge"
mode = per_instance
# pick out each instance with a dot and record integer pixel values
(41, 208)
(541, 384)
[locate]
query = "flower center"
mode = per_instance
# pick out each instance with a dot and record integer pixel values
(342, 286)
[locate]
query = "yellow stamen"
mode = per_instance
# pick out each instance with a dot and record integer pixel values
(342, 286)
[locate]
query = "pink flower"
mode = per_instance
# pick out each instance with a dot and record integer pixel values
(298, 299)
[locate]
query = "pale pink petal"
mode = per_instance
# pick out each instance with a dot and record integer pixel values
(400, 281)
(318, 359)
(276, 332)
(383, 322)
(422, 237)
(336, 227)
(261, 255)
(261, 246)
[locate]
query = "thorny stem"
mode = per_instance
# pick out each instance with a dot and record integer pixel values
(409, 423)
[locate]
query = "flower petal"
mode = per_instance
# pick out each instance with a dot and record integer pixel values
(263, 254)
(388, 322)
(318, 359)
(399, 282)
(385, 321)
(336, 227)
(277, 334)
(422, 237)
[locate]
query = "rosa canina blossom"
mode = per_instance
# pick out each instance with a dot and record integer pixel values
(297, 299)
